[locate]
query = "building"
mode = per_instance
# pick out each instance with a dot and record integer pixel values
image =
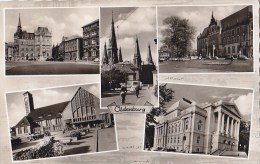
(91, 40)
(231, 36)
(136, 70)
(32, 46)
(208, 42)
(206, 128)
(9, 51)
(237, 33)
(82, 110)
(73, 48)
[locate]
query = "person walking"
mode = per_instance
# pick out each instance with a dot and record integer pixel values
(123, 93)
(137, 90)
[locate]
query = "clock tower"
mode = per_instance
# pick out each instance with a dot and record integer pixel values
(28, 101)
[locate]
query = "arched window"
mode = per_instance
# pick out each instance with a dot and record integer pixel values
(186, 124)
(199, 125)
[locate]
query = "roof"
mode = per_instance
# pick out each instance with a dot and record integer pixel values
(232, 108)
(48, 112)
(181, 104)
(42, 30)
(240, 17)
(95, 21)
(122, 66)
(72, 37)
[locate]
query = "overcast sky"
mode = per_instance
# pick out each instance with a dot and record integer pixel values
(202, 94)
(61, 21)
(44, 97)
(198, 16)
(129, 23)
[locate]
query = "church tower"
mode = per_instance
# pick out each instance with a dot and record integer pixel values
(28, 101)
(137, 56)
(120, 55)
(149, 56)
(19, 30)
(112, 45)
(105, 58)
(213, 20)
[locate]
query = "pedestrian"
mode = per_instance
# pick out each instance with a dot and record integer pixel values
(232, 58)
(137, 90)
(123, 93)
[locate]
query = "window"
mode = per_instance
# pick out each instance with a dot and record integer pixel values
(186, 124)
(178, 139)
(172, 129)
(174, 140)
(171, 139)
(198, 139)
(228, 49)
(199, 125)
(238, 49)
(233, 49)
(175, 127)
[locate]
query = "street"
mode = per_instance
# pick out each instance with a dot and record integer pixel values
(131, 99)
(206, 66)
(50, 68)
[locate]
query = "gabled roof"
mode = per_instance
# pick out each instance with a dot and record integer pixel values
(95, 21)
(181, 105)
(48, 112)
(232, 108)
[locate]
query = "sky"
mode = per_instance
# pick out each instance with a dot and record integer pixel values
(61, 21)
(208, 94)
(44, 97)
(129, 23)
(198, 16)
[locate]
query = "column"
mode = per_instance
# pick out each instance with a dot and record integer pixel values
(235, 129)
(219, 122)
(227, 126)
(231, 129)
(237, 132)
(222, 123)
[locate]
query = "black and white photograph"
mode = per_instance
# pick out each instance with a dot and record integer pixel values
(205, 39)
(129, 56)
(52, 41)
(203, 120)
(58, 122)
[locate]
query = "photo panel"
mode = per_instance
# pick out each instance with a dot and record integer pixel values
(201, 120)
(51, 41)
(129, 56)
(205, 39)
(61, 121)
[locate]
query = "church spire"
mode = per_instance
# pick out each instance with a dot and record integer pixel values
(212, 21)
(137, 55)
(112, 45)
(120, 55)
(19, 22)
(105, 58)
(149, 56)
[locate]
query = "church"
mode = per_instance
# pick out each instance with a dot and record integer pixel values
(32, 46)
(189, 127)
(82, 110)
(137, 69)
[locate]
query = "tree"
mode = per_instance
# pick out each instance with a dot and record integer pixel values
(114, 75)
(177, 35)
(166, 95)
(244, 135)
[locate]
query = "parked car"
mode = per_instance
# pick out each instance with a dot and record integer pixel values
(96, 60)
(15, 140)
(242, 58)
(161, 59)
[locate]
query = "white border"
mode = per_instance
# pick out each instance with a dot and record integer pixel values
(208, 155)
(42, 8)
(255, 38)
(8, 124)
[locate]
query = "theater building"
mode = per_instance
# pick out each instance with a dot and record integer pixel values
(73, 48)
(32, 46)
(91, 40)
(83, 110)
(189, 127)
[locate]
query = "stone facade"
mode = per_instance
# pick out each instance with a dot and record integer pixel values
(91, 40)
(73, 48)
(191, 128)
